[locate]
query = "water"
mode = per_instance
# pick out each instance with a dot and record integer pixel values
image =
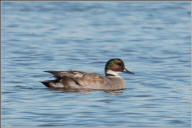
(153, 39)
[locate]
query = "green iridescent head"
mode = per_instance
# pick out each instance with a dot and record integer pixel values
(115, 66)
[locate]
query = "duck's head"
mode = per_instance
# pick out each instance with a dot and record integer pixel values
(115, 66)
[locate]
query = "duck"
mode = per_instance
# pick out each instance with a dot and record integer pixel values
(74, 79)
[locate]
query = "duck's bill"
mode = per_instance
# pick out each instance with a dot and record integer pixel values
(127, 71)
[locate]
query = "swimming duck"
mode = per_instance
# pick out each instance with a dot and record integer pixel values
(83, 80)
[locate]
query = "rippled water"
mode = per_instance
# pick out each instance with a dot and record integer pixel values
(153, 38)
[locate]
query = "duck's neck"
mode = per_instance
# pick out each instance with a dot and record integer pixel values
(111, 73)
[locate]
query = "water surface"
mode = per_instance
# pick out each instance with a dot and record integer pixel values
(153, 39)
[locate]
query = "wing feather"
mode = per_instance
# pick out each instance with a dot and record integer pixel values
(71, 74)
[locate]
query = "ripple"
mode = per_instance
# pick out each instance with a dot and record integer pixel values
(143, 96)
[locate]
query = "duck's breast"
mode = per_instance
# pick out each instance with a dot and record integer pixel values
(116, 82)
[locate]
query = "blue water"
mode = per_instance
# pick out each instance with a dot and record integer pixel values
(153, 39)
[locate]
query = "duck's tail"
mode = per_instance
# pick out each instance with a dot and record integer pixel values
(52, 84)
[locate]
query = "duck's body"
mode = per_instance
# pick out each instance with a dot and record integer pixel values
(83, 80)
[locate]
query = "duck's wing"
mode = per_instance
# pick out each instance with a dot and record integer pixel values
(70, 74)
(64, 79)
